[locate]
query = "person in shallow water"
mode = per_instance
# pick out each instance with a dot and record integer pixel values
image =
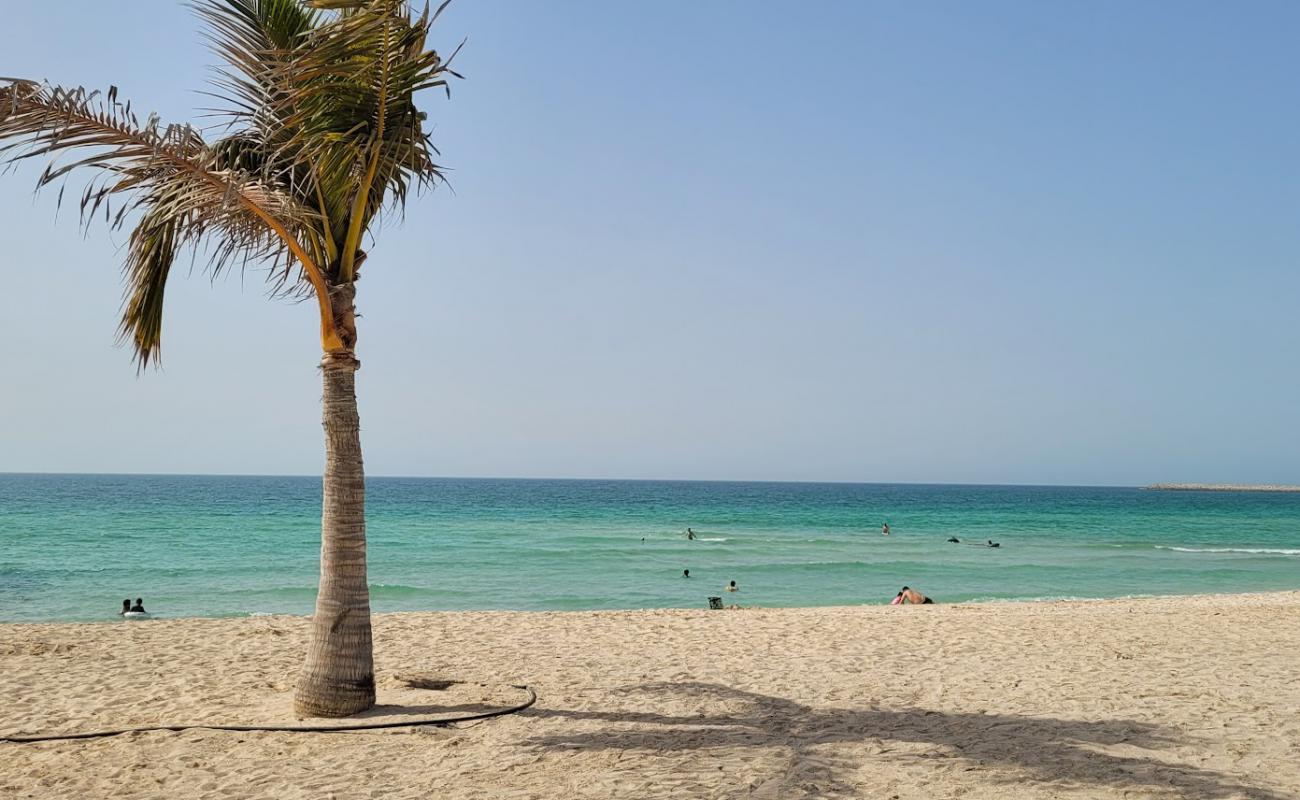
(686, 573)
(690, 534)
(913, 597)
(994, 544)
(138, 608)
(732, 587)
(954, 540)
(126, 606)
(884, 529)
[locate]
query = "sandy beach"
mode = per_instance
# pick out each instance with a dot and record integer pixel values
(1191, 697)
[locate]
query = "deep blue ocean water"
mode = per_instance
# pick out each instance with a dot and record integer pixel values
(72, 546)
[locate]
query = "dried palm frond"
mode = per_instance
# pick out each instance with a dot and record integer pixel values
(180, 185)
(321, 132)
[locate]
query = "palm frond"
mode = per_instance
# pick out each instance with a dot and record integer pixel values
(322, 134)
(256, 39)
(152, 251)
(169, 173)
(352, 109)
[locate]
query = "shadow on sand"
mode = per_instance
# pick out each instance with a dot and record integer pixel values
(1018, 749)
(429, 710)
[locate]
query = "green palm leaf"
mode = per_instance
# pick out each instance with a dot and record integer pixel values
(323, 133)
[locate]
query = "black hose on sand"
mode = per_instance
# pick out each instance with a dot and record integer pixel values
(372, 726)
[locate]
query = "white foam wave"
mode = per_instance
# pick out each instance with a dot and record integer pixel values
(712, 538)
(1059, 598)
(1050, 598)
(1272, 551)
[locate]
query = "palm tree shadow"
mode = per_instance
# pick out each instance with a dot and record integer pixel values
(425, 710)
(1024, 749)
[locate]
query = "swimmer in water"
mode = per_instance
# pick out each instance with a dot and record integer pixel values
(732, 587)
(884, 529)
(954, 540)
(686, 573)
(690, 534)
(138, 608)
(993, 543)
(126, 607)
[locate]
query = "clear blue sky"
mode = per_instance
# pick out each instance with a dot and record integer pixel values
(939, 242)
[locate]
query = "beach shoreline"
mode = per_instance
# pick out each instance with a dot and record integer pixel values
(156, 617)
(1191, 696)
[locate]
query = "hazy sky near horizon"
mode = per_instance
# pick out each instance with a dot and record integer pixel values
(1004, 242)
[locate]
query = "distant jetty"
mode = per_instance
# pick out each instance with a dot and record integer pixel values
(1220, 487)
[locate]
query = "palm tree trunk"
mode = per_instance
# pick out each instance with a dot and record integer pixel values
(338, 677)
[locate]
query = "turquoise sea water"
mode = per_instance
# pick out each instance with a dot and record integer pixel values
(74, 545)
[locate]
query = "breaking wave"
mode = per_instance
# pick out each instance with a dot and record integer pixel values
(1269, 551)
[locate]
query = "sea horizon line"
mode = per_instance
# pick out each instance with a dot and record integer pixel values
(588, 479)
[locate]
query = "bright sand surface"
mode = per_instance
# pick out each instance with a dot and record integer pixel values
(1192, 697)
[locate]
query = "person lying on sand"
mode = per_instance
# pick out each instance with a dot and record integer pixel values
(914, 597)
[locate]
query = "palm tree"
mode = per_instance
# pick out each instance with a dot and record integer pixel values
(320, 136)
